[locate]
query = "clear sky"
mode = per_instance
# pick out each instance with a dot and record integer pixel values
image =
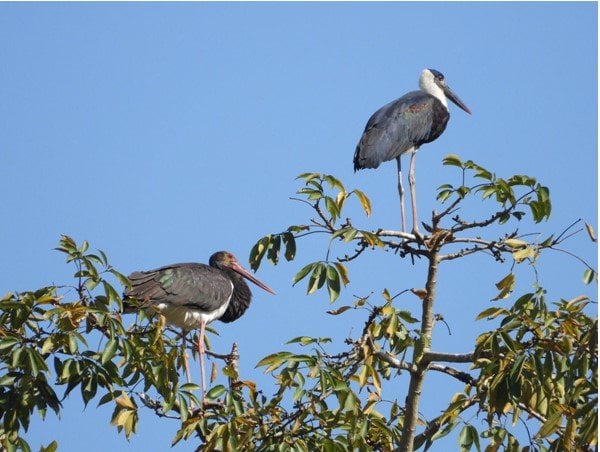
(164, 132)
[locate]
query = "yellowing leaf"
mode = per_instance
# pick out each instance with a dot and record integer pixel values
(506, 285)
(343, 271)
(339, 311)
(366, 203)
(515, 243)
(213, 372)
(125, 402)
(590, 231)
(421, 293)
(376, 380)
(525, 253)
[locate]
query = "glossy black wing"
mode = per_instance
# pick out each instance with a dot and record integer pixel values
(194, 285)
(395, 128)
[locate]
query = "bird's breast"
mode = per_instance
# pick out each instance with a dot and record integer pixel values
(187, 317)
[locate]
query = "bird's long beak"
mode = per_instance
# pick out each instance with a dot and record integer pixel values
(246, 274)
(454, 98)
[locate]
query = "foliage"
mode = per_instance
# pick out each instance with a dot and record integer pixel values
(537, 364)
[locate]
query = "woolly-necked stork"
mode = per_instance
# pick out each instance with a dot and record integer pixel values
(402, 126)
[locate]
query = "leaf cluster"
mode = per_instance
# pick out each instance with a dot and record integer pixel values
(536, 366)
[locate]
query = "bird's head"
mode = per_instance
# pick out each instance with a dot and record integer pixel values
(225, 260)
(433, 82)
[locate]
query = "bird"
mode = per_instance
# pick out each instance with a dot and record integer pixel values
(191, 295)
(402, 126)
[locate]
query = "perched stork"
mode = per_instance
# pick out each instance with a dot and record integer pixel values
(402, 126)
(192, 295)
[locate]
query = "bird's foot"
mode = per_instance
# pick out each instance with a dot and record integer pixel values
(420, 238)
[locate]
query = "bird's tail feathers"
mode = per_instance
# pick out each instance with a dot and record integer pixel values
(143, 288)
(357, 163)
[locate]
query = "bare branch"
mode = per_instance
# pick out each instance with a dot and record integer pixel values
(466, 252)
(572, 255)
(391, 233)
(430, 356)
(465, 377)
(463, 225)
(395, 362)
(531, 412)
(560, 238)
(449, 209)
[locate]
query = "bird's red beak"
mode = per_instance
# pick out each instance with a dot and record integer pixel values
(246, 274)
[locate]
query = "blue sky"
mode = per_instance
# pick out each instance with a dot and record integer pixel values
(164, 132)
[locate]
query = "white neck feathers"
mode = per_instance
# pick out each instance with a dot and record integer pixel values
(427, 83)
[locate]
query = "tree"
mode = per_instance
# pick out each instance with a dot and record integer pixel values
(537, 363)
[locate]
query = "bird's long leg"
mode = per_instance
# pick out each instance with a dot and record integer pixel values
(401, 193)
(413, 192)
(201, 353)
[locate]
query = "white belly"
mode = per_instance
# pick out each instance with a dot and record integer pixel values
(188, 318)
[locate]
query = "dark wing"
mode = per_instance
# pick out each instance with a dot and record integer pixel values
(195, 285)
(395, 128)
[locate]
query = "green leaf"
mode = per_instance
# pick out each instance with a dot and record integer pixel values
(333, 283)
(216, 392)
(550, 426)
(302, 273)
(274, 360)
(109, 351)
(317, 279)
(52, 447)
(443, 195)
(106, 398)
(343, 271)
(306, 340)
(349, 236)
(308, 176)
(332, 208)
(334, 182)
(290, 246)
(273, 249)
(120, 277)
(463, 191)
(190, 387)
(452, 160)
(258, 251)
(589, 275)
(465, 438)
(406, 316)
(311, 194)
(492, 313)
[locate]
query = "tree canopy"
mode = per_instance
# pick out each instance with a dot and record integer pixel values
(535, 364)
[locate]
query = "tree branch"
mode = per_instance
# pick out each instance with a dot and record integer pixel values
(430, 356)
(463, 225)
(435, 425)
(395, 362)
(417, 378)
(465, 377)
